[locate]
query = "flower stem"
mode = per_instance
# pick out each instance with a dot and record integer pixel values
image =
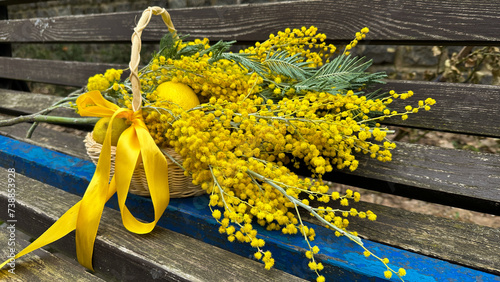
(49, 119)
(306, 207)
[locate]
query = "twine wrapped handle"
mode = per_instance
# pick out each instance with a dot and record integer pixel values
(136, 49)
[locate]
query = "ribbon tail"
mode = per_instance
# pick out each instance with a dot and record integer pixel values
(86, 214)
(64, 225)
(92, 204)
(156, 169)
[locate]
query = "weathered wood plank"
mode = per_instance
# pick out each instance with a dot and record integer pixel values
(39, 265)
(405, 21)
(464, 108)
(61, 72)
(17, 103)
(451, 177)
(190, 216)
(61, 140)
(463, 243)
(162, 254)
(15, 2)
(25, 102)
(26, 158)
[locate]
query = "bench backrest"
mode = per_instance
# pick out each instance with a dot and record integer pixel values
(452, 177)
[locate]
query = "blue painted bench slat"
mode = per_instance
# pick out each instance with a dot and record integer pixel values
(191, 216)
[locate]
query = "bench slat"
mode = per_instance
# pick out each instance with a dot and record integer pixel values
(191, 217)
(69, 73)
(456, 102)
(39, 265)
(458, 178)
(463, 108)
(409, 22)
(25, 103)
(429, 235)
(14, 2)
(162, 254)
(57, 140)
(18, 103)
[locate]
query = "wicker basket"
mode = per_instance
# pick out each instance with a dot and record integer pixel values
(179, 185)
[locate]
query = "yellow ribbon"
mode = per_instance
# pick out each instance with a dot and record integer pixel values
(85, 215)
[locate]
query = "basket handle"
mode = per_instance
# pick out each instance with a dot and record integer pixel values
(136, 50)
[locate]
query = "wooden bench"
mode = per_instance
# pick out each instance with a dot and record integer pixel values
(52, 169)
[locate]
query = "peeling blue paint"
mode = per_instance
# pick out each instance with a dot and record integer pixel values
(343, 260)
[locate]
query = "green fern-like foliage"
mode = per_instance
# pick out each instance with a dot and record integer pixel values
(342, 73)
(218, 49)
(293, 67)
(245, 61)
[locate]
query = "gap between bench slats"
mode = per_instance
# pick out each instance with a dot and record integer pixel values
(405, 21)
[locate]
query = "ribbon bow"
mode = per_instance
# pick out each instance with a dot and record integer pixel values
(85, 215)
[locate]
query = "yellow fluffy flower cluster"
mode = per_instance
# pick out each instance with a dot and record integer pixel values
(231, 150)
(237, 152)
(258, 119)
(218, 79)
(305, 41)
(102, 82)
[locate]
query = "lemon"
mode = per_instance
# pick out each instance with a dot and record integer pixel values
(177, 93)
(99, 132)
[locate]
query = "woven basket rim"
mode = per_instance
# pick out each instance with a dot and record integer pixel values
(179, 185)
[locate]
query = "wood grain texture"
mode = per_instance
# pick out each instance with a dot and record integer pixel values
(454, 177)
(15, 2)
(191, 217)
(162, 255)
(451, 177)
(404, 21)
(55, 72)
(25, 103)
(463, 243)
(57, 140)
(18, 103)
(39, 265)
(463, 108)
